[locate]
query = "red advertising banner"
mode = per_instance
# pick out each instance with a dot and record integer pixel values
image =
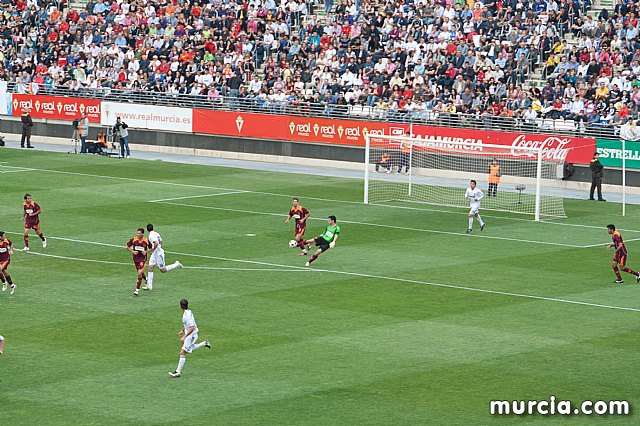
(56, 107)
(351, 132)
(554, 148)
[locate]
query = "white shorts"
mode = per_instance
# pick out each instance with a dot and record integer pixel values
(474, 209)
(189, 342)
(157, 258)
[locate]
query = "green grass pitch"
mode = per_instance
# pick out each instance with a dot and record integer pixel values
(388, 328)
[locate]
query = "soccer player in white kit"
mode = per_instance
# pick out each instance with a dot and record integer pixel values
(474, 195)
(188, 337)
(157, 257)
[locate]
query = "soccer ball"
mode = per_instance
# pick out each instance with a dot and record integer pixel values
(293, 243)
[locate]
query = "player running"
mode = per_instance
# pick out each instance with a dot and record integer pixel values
(31, 219)
(139, 246)
(325, 241)
(157, 257)
(188, 337)
(6, 251)
(619, 255)
(300, 214)
(474, 195)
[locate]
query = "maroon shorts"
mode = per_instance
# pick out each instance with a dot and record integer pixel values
(301, 228)
(4, 265)
(33, 225)
(621, 259)
(140, 265)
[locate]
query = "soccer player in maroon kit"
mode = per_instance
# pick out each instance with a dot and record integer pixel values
(300, 214)
(6, 251)
(139, 246)
(31, 219)
(619, 255)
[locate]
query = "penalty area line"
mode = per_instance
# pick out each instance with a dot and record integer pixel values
(377, 277)
(380, 225)
(198, 196)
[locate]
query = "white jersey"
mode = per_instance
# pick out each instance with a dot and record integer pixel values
(155, 237)
(474, 196)
(189, 321)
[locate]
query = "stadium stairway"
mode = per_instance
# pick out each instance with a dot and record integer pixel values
(536, 78)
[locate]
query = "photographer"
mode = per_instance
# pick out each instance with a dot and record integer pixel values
(83, 131)
(120, 129)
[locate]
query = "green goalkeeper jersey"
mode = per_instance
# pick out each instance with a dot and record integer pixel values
(330, 233)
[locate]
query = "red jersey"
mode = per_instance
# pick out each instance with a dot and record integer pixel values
(617, 242)
(5, 246)
(30, 208)
(139, 246)
(298, 213)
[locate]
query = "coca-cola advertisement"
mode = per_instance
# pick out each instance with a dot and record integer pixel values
(56, 107)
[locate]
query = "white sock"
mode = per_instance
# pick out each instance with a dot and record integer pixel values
(480, 220)
(471, 222)
(174, 265)
(150, 279)
(198, 346)
(183, 358)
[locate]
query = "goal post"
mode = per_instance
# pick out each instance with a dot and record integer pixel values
(400, 170)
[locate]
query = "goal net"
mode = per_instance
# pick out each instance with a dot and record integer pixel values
(517, 180)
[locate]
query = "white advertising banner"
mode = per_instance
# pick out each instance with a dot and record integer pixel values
(4, 99)
(151, 117)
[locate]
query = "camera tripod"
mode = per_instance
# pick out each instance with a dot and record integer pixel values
(74, 142)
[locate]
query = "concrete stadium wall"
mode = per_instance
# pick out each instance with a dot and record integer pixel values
(324, 155)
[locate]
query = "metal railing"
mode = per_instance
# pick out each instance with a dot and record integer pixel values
(302, 108)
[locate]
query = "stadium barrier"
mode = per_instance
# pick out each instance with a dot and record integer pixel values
(317, 130)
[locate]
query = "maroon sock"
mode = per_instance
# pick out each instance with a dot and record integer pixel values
(41, 235)
(630, 271)
(617, 273)
(144, 277)
(26, 241)
(138, 283)
(2, 278)
(314, 257)
(9, 280)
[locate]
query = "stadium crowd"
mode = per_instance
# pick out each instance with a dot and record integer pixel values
(407, 58)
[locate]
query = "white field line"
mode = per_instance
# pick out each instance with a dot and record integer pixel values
(211, 268)
(606, 244)
(186, 185)
(403, 228)
(198, 196)
(378, 277)
(13, 171)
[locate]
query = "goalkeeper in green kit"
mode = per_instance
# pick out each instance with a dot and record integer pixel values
(325, 241)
